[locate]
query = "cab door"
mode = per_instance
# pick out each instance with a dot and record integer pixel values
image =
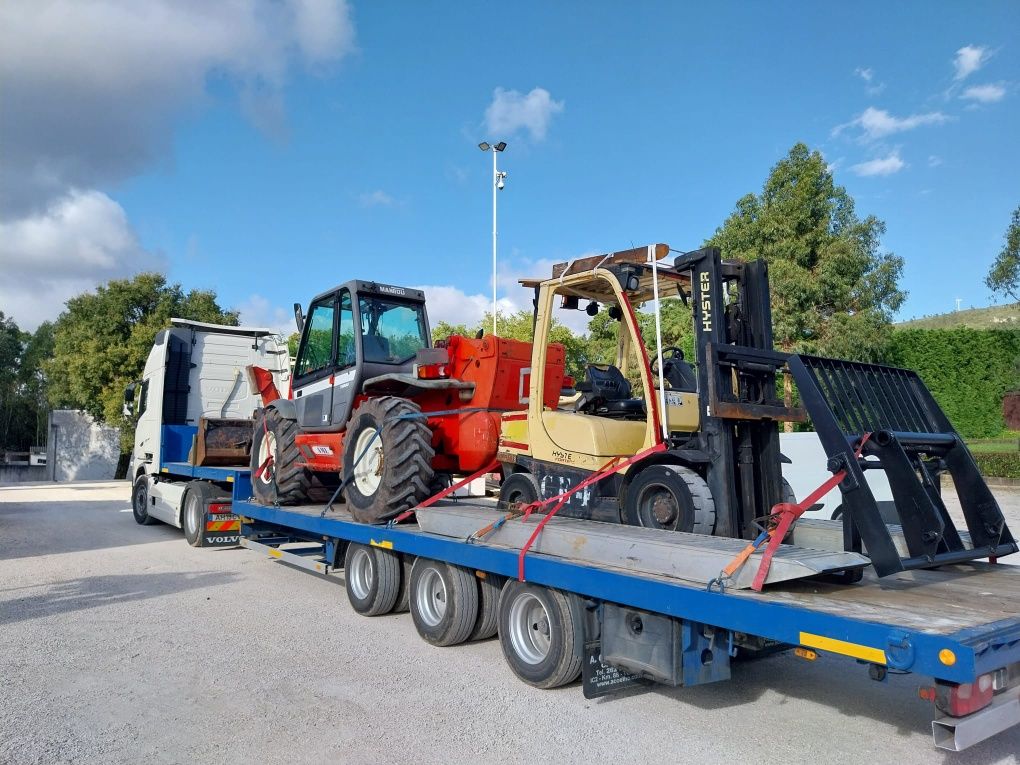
(346, 378)
(316, 361)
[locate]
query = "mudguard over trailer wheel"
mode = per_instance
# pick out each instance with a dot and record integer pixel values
(278, 474)
(388, 457)
(372, 579)
(197, 496)
(541, 633)
(444, 601)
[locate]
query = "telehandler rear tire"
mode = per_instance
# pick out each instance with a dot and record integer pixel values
(388, 458)
(284, 480)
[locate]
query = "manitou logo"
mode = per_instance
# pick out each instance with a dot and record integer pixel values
(705, 287)
(392, 290)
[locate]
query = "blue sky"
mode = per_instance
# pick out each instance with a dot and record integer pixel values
(331, 142)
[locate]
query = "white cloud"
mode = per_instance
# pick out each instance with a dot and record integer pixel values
(968, 60)
(985, 94)
(880, 166)
(50, 256)
(934, 160)
(99, 87)
(454, 306)
(877, 123)
(864, 74)
(257, 311)
(377, 198)
(868, 75)
(511, 110)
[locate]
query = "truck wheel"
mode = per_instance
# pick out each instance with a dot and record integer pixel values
(140, 501)
(487, 623)
(444, 601)
(392, 446)
(193, 514)
(540, 633)
(372, 579)
(285, 480)
(518, 488)
(404, 593)
(670, 497)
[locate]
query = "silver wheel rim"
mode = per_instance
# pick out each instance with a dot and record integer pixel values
(267, 448)
(368, 472)
(191, 516)
(431, 597)
(360, 573)
(530, 628)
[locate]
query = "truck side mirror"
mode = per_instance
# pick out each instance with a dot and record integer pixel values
(129, 398)
(299, 317)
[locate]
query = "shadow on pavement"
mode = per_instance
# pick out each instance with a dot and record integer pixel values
(95, 591)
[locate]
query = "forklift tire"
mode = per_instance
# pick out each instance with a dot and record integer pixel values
(541, 634)
(394, 468)
(140, 501)
(670, 497)
(518, 488)
(487, 624)
(372, 579)
(286, 480)
(444, 601)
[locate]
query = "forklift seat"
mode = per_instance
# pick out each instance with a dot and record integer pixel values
(608, 393)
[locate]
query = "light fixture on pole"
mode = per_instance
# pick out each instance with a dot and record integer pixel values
(498, 182)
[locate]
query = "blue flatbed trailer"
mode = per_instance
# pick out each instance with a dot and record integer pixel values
(953, 625)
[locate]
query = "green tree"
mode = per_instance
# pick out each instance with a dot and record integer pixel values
(102, 339)
(23, 405)
(833, 291)
(1004, 275)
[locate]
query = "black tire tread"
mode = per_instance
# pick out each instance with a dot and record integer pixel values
(293, 479)
(487, 623)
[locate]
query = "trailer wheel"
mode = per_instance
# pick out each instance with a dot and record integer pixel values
(670, 497)
(193, 514)
(404, 593)
(487, 623)
(284, 479)
(444, 602)
(518, 488)
(388, 455)
(540, 631)
(140, 501)
(372, 579)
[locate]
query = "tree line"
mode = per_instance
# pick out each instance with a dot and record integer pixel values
(834, 292)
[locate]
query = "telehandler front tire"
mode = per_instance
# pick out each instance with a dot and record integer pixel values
(283, 479)
(388, 458)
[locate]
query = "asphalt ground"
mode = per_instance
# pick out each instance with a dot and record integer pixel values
(121, 644)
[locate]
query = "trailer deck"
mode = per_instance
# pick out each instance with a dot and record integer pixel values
(951, 624)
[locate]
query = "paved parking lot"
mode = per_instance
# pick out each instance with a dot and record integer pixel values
(121, 644)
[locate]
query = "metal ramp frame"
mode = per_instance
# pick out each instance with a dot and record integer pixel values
(912, 440)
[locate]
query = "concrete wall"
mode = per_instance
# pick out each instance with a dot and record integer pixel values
(23, 473)
(79, 449)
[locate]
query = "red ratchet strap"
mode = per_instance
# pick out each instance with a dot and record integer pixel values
(790, 512)
(445, 492)
(605, 471)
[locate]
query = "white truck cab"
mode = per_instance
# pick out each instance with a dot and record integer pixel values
(194, 380)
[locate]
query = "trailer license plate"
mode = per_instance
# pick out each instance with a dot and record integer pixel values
(223, 517)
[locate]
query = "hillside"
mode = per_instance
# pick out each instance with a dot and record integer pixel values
(992, 317)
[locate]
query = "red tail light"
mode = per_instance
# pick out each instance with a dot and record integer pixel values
(965, 698)
(216, 508)
(432, 371)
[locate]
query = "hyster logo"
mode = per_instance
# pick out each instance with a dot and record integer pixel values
(706, 301)
(392, 290)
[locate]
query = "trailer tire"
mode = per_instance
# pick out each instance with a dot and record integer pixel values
(371, 578)
(287, 480)
(671, 497)
(404, 593)
(518, 488)
(540, 632)
(487, 623)
(444, 602)
(140, 501)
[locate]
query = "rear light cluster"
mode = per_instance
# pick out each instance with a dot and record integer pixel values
(217, 508)
(432, 371)
(961, 699)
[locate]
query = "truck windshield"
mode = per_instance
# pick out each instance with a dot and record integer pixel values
(392, 332)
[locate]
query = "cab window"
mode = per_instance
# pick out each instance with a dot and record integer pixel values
(392, 332)
(317, 351)
(346, 353)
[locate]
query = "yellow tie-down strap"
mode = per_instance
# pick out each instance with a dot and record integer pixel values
(832, 645)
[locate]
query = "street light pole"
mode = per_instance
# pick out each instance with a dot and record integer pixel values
(498, 179)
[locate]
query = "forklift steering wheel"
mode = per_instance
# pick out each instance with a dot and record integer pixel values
(669, 353)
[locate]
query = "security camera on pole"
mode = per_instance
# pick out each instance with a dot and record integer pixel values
(498, 182)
